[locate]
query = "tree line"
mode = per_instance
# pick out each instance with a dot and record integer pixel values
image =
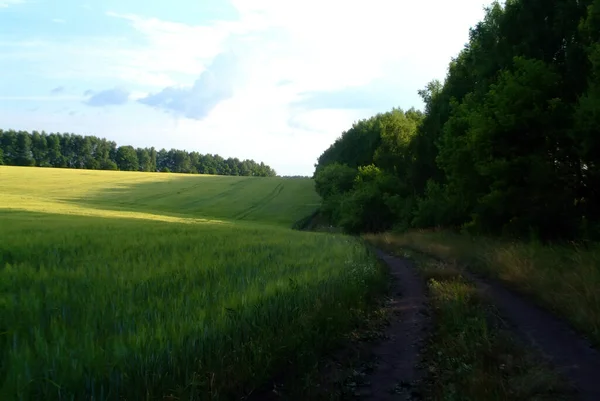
(508, 144)
(21, 148)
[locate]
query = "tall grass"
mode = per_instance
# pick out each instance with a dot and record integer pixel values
(472, 358)
(142, 286)
(564, 278)
(107, 309)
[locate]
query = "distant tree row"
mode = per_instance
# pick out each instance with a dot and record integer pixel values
(20, 148)
(508, 145)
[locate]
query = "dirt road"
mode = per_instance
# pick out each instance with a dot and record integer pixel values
(398, 355)
(572, 355)
(550, 336)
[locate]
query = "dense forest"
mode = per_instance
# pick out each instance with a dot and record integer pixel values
(20, 148)
(508, 144)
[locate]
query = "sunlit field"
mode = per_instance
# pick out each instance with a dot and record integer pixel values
(278, 201)
(140, 286)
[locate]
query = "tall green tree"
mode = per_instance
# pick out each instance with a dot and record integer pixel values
(181, 161)
(91, 152)
(194, 162)
(8, 140)
(39, 149)
(143, 160)
(55, 157)
(585, 133)
(102, 155)
(67, 149)
(508, 143)
(163, 161)
(127, 158)
(82, 152)
(153, 159)
(23, 154)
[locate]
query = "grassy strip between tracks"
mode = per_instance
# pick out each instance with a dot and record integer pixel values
(472, 355)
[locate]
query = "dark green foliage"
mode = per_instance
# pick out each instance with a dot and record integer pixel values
(39, 149)
(368, 197)
(108, 165)
(7, 144)
(54, 155)
(367, 207)
(334, 179)
(509, 144)
(127, 159)
(20, 148)
(332, 182)
(143, 157)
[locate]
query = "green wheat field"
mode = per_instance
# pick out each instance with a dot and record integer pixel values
(152, 286)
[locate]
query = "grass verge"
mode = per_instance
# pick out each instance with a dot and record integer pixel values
(471, 355)
(562, 278)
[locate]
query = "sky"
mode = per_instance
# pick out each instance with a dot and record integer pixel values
(271, 80)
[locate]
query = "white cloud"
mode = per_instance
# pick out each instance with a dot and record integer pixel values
(170, 52)
(174, 47)
(327, 45)
(41, 98)
(377, 53)
(216, 83)
(137, 95)
(108, 97)
(8, 3)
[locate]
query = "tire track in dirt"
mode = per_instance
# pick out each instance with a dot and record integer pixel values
(571, 354)
(548, 335)
(398, 356)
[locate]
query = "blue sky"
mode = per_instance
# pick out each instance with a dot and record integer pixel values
(272, 80)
